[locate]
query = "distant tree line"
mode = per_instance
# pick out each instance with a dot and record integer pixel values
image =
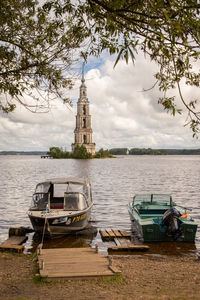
(22, 152)
(80, 152)
(149, 151)
(119, 151)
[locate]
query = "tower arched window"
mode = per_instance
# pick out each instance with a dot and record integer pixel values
(84, 123)
(85, 139)
(84, 109)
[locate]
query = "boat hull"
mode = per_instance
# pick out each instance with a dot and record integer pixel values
(150, 230)
(60, 225)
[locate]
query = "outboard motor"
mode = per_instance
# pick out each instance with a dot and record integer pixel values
(170, 219)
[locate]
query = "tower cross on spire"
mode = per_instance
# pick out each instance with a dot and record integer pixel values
(83, 78)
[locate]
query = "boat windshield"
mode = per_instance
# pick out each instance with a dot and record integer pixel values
(142, 198)
(161, 198)
(42, 188)
(60, 188)
(153, 198)
(41, 196)
(68, 196)
(40, 201)
(75, 201)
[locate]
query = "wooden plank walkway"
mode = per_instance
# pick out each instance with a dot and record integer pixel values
(14, 243)
(111, 234)
(122, 240)
(73, 263)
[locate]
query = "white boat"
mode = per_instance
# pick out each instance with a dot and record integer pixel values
(61, 206)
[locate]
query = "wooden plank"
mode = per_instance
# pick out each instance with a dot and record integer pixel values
(104, 234)
(68, 250)
(18, 248)
(77, 275)
(126, 242)
(73, 263)
(14, 240)
(111, 233)
(117, 241)
(124, 233)
(68, 254)
(69, 258)
(115, 270)
(123, 242)
(72, 260)
(75, 268)
(117, 232)
(52, 260)
(14, 243)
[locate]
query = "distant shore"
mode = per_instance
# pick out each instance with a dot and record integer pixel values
(22, 153)
(120, 151)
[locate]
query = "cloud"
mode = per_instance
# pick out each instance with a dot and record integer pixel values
(129, 116)
(123, 115)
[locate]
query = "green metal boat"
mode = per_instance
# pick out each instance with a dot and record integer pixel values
(157, 219)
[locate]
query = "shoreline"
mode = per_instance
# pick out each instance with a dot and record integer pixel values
(143, 277)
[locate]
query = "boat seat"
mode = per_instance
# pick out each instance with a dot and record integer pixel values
(57, 203)
(144, 216)
(152, 212)
(56, 206)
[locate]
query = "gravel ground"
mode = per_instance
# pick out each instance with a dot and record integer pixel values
(143, 277)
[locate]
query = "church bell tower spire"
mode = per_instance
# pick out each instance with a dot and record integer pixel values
(83, 130)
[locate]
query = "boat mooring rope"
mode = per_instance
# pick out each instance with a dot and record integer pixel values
(45, 221)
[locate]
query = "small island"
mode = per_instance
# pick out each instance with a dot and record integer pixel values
(80, 152)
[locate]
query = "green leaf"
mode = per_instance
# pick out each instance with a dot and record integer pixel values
(118, 57)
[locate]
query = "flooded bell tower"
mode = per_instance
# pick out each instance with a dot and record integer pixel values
(83, 130)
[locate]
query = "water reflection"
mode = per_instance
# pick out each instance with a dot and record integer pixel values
(178, 249)
(114, 182)
(77, 240)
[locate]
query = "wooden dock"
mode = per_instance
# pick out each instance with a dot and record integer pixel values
(14, 243)
(122, 240)
(111, 234)
(17, 236)
(81, 263)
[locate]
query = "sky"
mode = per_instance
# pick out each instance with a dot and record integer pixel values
(123, 114)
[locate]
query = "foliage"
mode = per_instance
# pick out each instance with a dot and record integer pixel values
(80, 152)
(118, 151)
(57, 152)
(39, 43)
(37, 279)
(102, 154)
(149, 151)
(116, 279)
(168, 31)
(36, 49)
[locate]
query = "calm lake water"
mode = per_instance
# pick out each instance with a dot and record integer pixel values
(114, 182)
